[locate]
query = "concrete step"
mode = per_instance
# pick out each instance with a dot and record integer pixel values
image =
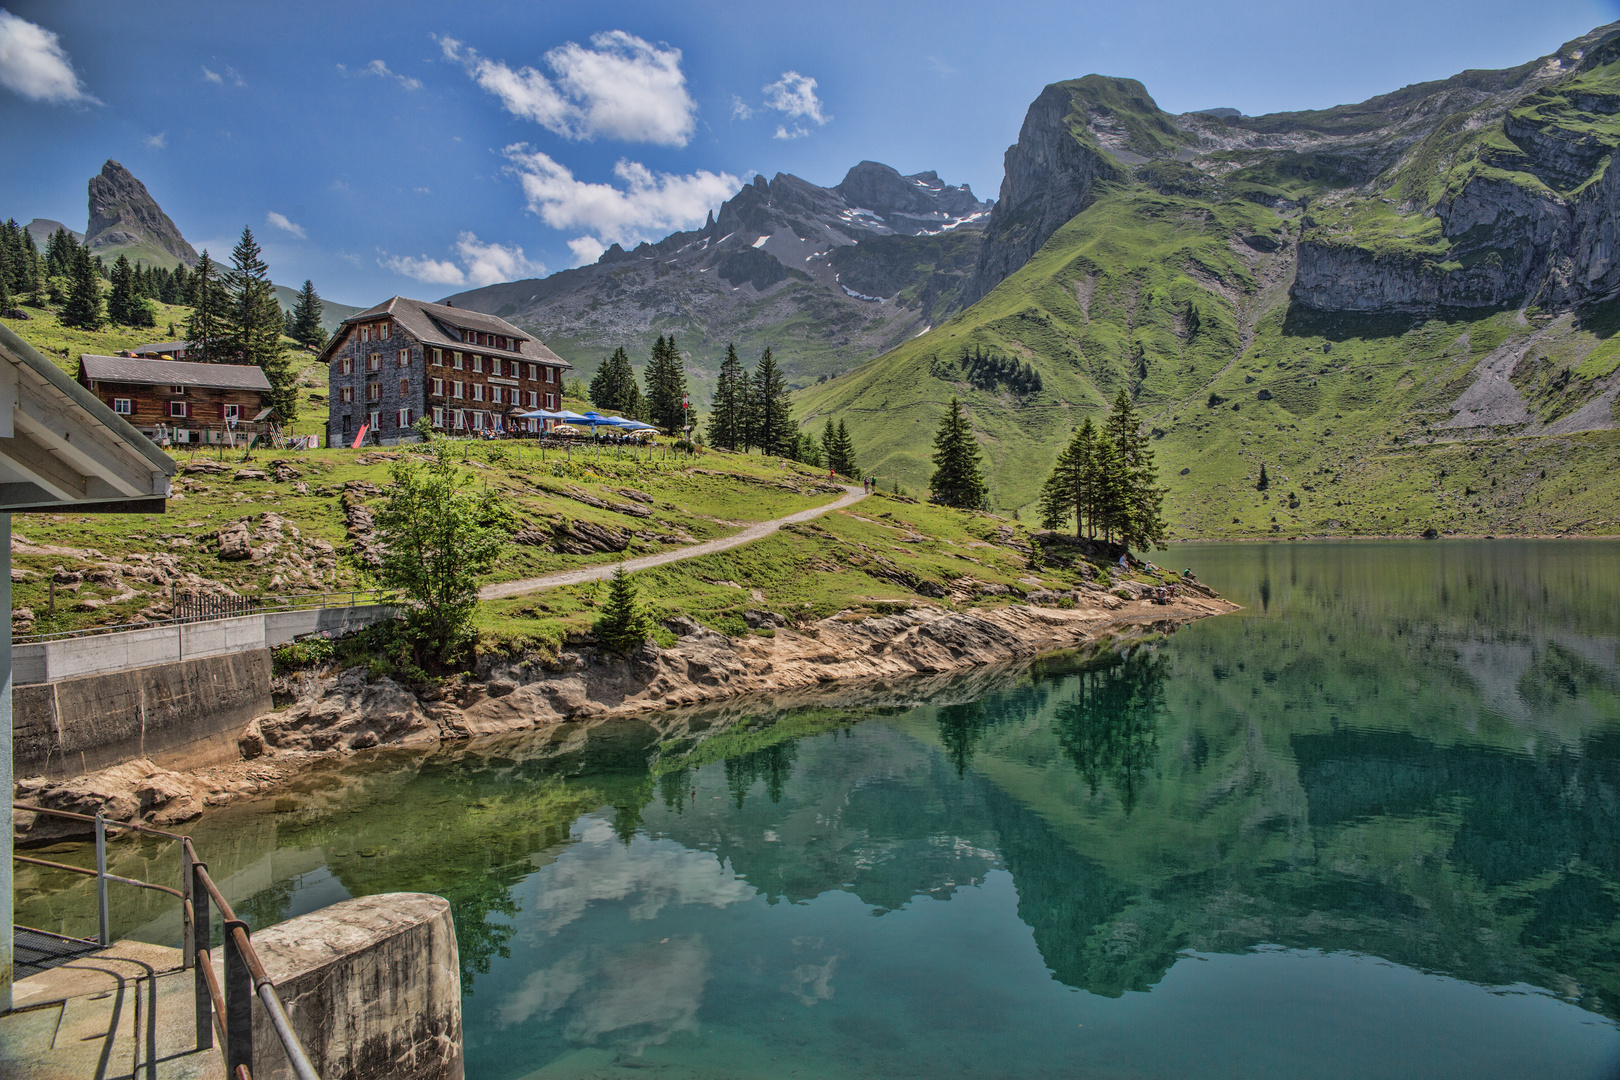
(126, 1011)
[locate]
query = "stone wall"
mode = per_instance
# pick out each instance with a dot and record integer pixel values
(372, 987)
(179, 715)
(387, 375)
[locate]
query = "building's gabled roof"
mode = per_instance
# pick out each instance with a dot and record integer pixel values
(62, 447)
(158, 347)
(132, 369)
(439, 324)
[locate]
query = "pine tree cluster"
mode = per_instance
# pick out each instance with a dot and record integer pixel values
(666, 386)
(989, 370)
(615, 389)
(1107, 480)
(838, 449)
(751, 409)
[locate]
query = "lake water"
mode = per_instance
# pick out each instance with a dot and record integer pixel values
(1367, 827)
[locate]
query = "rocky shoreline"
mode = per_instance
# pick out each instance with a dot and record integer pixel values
(331, 713)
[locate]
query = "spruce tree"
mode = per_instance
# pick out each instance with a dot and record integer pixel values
(957, 479)
(177, 287)
(254, 324)
(773, 415)
(1142, 522)
(624, 625)
(305, 318)
(846, 452)
(602, 395)
(206, 328)
(726, 408)
(666, 386)
(34, 268)
(6, 302)
(61, 253)
(749, 425)
(84, 308)
(125, 291)
(829, 444)
(1072, 487)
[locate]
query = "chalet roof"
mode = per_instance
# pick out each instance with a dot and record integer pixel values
(158, 347)
(436, 324)
(132, 369)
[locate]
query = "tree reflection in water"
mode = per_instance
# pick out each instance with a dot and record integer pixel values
(1110, 730)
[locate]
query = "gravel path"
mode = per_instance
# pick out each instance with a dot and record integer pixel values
(708, 547)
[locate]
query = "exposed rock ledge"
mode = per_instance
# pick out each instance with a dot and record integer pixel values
(337, 712)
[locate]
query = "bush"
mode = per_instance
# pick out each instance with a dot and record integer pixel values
(305, 653)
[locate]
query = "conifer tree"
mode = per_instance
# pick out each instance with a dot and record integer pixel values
(6, 301)
(177, 286)
(1141, 523)
(125, 292)
(205, 329)
(957, 479)
(666, 386)
(749, 425)
(253, 317)
(305, 318)
(726, 408)
(846, 452)
(1264, 481)
(772, 415)
(614, 387)
(84, 308)
(61, 253)
(829, 444)
(624, 624)
(1072, 487)
(33, 266)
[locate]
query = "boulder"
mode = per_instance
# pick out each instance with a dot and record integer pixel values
(234, 542)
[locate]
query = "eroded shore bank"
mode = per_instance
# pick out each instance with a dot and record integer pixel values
(566, 699)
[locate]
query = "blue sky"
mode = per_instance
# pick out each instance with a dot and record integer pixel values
(422, 148)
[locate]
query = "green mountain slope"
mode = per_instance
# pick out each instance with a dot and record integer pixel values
(1404, 321)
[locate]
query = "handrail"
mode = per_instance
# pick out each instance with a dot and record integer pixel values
(299, 602)
(226, 1010)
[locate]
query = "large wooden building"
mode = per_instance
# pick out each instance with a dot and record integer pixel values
(178, 401)
(390, 366)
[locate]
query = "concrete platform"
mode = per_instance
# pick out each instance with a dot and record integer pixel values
(126, 1011)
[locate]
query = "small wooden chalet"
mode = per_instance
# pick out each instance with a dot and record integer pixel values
(178, 401)
(160, 350)
(394, 364)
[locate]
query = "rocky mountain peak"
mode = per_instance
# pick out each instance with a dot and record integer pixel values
(921, 198)
(123, 214)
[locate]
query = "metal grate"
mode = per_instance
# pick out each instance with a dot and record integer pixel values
(37, 950)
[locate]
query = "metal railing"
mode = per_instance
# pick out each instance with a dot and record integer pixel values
(226, 1010)
(189, 609)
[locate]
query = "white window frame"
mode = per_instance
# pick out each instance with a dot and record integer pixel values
(455, 360)
(438, 416)
(460, 390)
(374, 390)
(438, 358)
(123, 406)
(374, 361)
(346, 365)
(438, 388)
(227, 411)
(346, 394)
(382, 331)
(478, 391)
(405, 417)
(178, 410)
(478, 364)
(551, 402)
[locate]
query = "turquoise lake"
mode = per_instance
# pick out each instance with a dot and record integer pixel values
(1369, 826)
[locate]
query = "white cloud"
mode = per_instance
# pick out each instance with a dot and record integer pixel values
(647, 202)
(488, 263)
(798, 131)
(586, 249)
(280, 221)
(34, 64)
(795, 95)
(216, 78)
(432, 271)
(740, 109)
(481, 264)
(381, 70)
(622, 87)
(160, 141)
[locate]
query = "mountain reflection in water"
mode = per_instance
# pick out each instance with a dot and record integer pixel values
(1378, 811)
